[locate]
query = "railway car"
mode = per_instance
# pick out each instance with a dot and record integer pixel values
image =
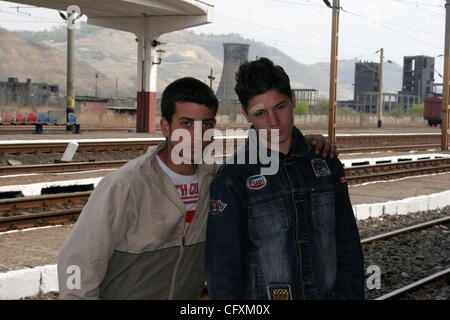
(433, 111)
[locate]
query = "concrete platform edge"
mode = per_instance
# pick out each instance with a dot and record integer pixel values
(28, 282)
(428, 202)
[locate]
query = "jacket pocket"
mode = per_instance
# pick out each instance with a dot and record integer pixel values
(323, 211)
(267, 221)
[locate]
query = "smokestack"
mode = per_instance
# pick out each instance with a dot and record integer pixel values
(234, 55)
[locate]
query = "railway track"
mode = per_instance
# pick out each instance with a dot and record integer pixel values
(20, 213)
(357, 174)
(61, 167)
(352, 142)
(388, 171)
(60, 147)
(415, 286)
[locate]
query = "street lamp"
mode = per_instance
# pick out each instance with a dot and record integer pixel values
(159, 55)
(328, 4)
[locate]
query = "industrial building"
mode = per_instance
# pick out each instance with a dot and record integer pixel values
(366, 83)
(417, 84)
(418, 77)
(27, 93)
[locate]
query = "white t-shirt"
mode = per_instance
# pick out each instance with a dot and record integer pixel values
(187, 187)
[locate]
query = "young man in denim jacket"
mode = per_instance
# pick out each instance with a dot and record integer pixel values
(285, 234)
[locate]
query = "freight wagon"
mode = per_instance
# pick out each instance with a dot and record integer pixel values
(433, 111)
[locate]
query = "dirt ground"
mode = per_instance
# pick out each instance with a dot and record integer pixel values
(16, 248)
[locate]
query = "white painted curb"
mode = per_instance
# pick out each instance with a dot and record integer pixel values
(35, 189)
(23, 283)
(408, 205)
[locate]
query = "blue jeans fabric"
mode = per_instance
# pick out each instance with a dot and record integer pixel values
(291, 235)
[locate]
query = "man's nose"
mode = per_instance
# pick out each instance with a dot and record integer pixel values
(197, 134)
(273, 120)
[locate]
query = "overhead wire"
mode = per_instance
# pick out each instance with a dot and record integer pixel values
(300, 2)
(327, 40)
(383, 22)
(421, 9)
(365, 18)
(421, 3)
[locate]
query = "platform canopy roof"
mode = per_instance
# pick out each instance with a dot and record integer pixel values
(107, 13)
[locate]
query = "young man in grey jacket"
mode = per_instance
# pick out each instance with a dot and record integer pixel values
(141, 235)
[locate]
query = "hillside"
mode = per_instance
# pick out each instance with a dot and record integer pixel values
(113, 54)
(22, 59)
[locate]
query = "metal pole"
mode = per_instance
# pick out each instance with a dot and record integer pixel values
(418, 91)
(332, 104)
(211, 78)
(446, 81)
(96, 84)
(380, 92)
(70, 101)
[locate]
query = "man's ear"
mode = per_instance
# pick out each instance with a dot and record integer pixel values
(165, 127)
(245, 113)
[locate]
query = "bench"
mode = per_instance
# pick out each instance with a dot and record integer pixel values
(71, 125)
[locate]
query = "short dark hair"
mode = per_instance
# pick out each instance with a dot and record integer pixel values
(187, 89)
(259, 76)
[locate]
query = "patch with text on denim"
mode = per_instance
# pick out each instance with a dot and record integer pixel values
(216, 206)
(320, 168)
(278, 291)
(256, 182)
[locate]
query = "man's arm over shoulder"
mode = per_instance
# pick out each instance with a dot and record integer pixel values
(83, 260)
(224, 258)
(350, 262)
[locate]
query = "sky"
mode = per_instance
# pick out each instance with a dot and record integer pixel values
(302, 28)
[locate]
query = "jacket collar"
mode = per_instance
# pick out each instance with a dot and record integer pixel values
(300, 147)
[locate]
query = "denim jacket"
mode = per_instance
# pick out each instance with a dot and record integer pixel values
(291, 235)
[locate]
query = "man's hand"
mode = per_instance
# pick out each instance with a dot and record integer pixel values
(322, 145)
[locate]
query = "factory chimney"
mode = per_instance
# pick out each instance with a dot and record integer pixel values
(234, 55)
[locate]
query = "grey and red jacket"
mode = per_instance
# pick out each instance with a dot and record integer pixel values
(128, 242)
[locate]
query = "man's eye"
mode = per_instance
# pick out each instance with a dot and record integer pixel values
(208, 124)
(259, 114)
(186, 123)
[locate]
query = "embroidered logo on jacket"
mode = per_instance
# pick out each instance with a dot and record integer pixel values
(320, 168)
(216, 206)
(256, 182)
(279, 292)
